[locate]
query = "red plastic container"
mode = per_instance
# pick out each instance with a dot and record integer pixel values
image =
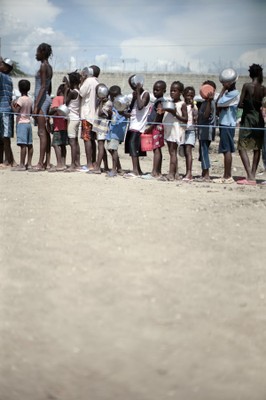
(146, 142)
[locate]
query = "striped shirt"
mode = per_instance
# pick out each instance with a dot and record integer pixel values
(6, 91)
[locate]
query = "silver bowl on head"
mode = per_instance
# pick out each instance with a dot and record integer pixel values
(63, 110)
(87, 72)
(137, 79)
(121, 102)
(168, 105)
(228, 75)
(102, 91)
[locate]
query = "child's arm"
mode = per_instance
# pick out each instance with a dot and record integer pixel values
(144, 101)
(15, 106)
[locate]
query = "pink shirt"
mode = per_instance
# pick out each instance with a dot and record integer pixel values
(60, 124)
(25, 104)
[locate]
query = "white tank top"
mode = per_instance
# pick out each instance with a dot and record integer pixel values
(138, 117)
(74, 107)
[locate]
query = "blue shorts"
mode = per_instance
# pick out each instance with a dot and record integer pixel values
(6, 125)
(227, 134)
(24, 134)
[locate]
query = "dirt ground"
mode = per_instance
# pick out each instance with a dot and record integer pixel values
(131, 289)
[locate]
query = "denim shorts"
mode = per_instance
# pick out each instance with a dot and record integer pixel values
(227, 134)
(24, 133)
(6, 125)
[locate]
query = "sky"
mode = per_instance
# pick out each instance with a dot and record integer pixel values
(200, 36)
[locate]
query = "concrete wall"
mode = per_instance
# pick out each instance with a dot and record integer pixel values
(122, 80)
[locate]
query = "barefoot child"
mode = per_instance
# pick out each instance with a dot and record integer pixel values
(116, 133)
(190, 133)
(173, 131)
(23, 106)
(72, 101)
(60, 139)
(139, 112)
(103, 116)
(206, 131)
(227, 104)
(156, 128)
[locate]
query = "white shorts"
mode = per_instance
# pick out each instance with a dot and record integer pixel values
(73, 129)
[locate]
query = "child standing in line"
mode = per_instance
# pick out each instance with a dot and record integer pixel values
(23, 106)
(190, 133)
(227, 103)
(173, 131)
(60, 139)
(100, 127)
(206, 131)
(72, 101)
(139, 112)
(116, 133)
(156, 128)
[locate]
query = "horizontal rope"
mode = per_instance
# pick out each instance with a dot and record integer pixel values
(185, 126)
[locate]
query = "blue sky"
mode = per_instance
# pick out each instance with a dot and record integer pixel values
(136, 35)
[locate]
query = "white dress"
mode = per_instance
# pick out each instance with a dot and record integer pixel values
(173, 131)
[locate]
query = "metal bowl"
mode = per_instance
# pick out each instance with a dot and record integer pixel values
(87, 72)
(121, 102)
(137, 79)
(168, 105)
(63, 110)
(228, 75)
(102, 91)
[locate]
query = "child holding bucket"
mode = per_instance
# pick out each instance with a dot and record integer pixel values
(174, 131)
(139, 112)
(156, 129)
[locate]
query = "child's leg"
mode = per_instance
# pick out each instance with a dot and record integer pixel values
(204, 158)
(188, 155)
(30, 154)
(1, 151)
(227, 164)
(100, 156)
(23, 153)
(63, 154)
(157, 162)
(173, 165)
(57, 150)
(255, 162)
(77, 153)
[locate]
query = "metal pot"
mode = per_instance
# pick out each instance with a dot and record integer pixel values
(63, 110)
(102, 91)
(228, 75)
(168, 105)
(137, 79)
(121, 102)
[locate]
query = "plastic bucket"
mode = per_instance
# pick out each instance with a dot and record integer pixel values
(146, 142)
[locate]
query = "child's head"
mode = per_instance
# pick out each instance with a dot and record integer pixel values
(96, 70)
(60, 90)
(114, 91)
(211, 83)
(6, 65)
(159, 88)
(189, 94)
(256, 71)
(24, 86)
(176, 90)
(74, 78)
(44, 51)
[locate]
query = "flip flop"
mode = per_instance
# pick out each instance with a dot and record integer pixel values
(130, 175)
(94, 171)
(187, 180)
(37, 169)
(202, 180)
(246, 182)
(147, 177)
(18, 168)
(224, 180)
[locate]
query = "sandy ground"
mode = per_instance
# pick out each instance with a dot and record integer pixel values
(130, 289)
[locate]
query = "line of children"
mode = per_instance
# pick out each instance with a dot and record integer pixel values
(177, 127)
